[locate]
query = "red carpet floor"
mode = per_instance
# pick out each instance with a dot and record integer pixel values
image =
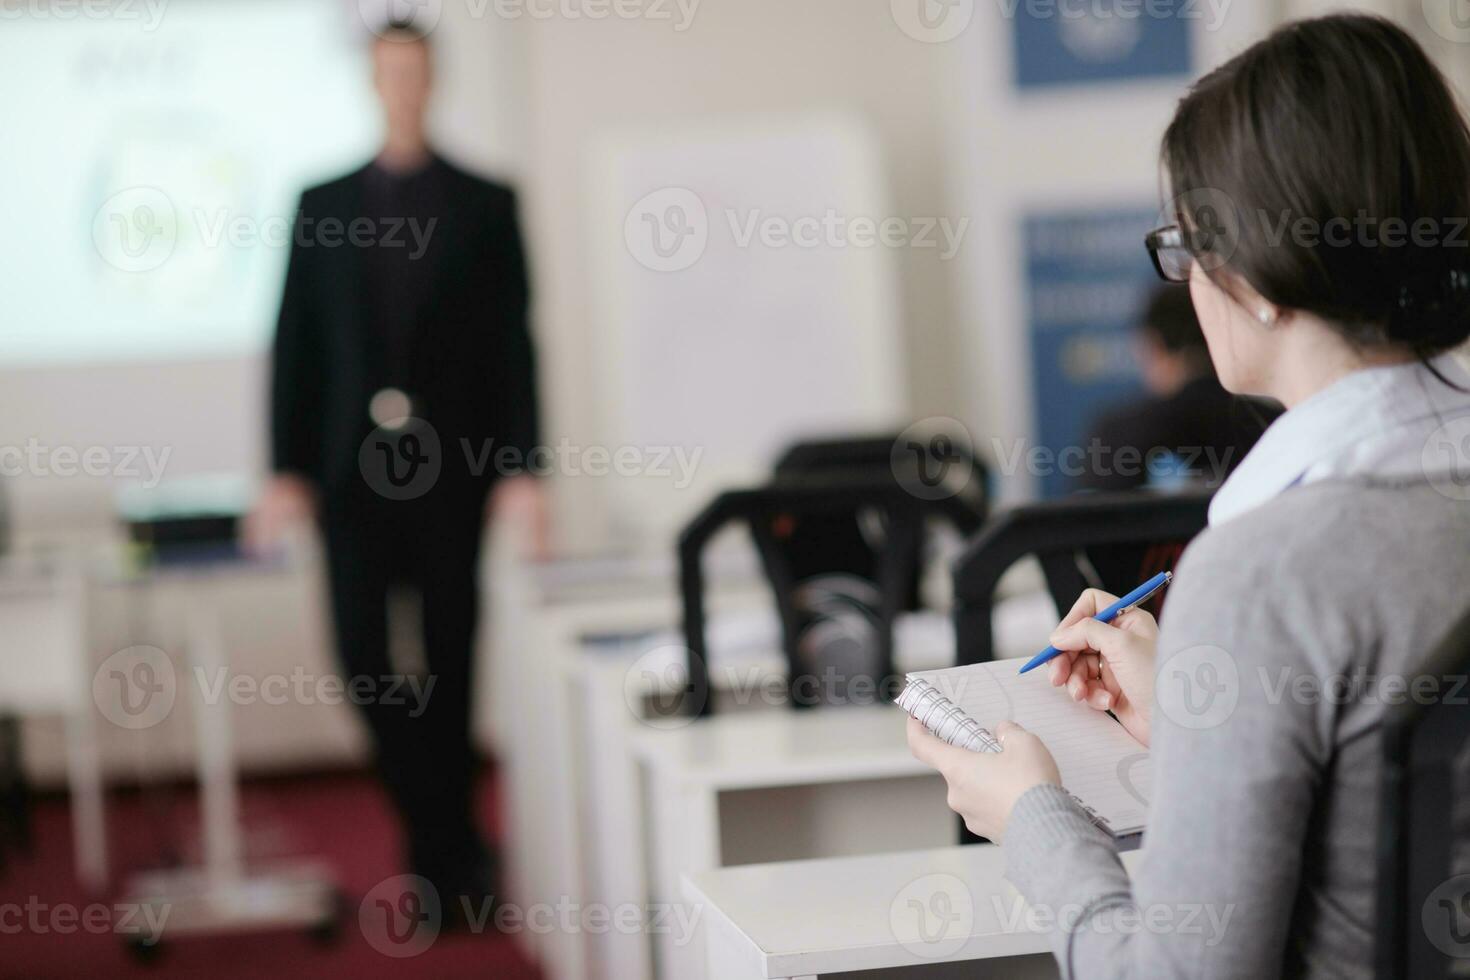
(342, 819)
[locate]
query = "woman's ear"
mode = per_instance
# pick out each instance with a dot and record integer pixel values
(1260, 309)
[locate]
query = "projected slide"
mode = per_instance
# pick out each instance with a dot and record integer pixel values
(152, 163)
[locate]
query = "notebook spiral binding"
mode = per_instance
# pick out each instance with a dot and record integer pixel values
(924, 702)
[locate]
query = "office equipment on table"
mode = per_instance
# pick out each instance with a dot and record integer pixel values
(1137, 597)
(1103, 767)
(770, 512)
(1423, 904)
(186, 521)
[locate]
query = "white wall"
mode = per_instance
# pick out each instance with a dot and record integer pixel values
(738, 59)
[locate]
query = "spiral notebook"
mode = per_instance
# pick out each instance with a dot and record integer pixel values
(1103, 768)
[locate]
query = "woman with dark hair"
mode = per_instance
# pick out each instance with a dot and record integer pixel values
(1322, 186)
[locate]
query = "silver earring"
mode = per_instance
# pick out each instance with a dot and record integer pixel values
(1264, 316)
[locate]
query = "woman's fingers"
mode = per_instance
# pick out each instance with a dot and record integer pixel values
(1060, 667)
(1089, 634)
(1088, 604)
(1139, 621)
(932, 751)
(1077, 685)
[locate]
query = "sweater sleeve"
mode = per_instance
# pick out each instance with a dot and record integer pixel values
(1235, 773)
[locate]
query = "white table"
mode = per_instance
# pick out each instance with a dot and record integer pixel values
(539, 618)
(566, 724)
(780, 784)
(889, 912)
(45, 668)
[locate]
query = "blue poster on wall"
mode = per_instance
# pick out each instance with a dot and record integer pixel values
(1062, 42)
(1087, 279)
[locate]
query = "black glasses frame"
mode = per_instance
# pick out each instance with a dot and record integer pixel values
(1167, 237)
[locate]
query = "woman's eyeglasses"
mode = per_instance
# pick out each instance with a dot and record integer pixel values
(1171, 259)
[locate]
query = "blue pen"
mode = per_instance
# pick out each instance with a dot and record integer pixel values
(1137, 596)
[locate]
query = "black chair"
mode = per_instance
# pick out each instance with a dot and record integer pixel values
(1109, 541)
(1423, 852)
(843, 542)
(772, 514)
(879, 457)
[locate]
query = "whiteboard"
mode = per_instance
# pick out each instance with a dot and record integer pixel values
(762, 311)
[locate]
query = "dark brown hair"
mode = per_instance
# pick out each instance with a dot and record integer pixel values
(404, 30)
(1328, 166)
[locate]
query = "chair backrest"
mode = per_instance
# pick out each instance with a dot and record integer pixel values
(870, 459)
(836, 545)
(1110, 541)
(1423, 906)
(770, 513)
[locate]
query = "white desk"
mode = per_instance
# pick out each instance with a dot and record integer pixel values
(830, 782)
(907, 911)
(45, 667)
(577, 816)
(845, 789)
(539, 618)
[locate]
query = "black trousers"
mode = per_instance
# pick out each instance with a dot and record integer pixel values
(424, 755)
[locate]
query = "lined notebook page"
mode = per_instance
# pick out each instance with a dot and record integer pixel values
(1100, 763)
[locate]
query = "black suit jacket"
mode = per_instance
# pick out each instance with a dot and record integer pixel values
(472, 364)
(1201, 422)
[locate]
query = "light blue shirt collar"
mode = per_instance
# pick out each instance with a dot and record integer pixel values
(1373, 421)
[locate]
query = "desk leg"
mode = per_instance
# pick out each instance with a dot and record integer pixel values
(614, 850)
(728, 956)
(687, 826)
(84, 777)
(83, 752)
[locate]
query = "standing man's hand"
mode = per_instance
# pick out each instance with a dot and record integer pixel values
(522, 499)
(285, 501)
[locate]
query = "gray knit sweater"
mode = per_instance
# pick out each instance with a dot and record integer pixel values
(1285, 635)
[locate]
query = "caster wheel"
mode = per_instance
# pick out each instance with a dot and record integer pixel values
(329, 930)
(144, 950)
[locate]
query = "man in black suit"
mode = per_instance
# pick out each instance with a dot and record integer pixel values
(1187, 428)
(403, 406)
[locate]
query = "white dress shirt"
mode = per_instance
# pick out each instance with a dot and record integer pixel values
(1377, 421)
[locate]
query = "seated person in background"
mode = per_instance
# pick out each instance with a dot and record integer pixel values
(1187, 427)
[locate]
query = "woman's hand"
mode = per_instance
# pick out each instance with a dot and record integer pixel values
(1110, 666)
(984, 786)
